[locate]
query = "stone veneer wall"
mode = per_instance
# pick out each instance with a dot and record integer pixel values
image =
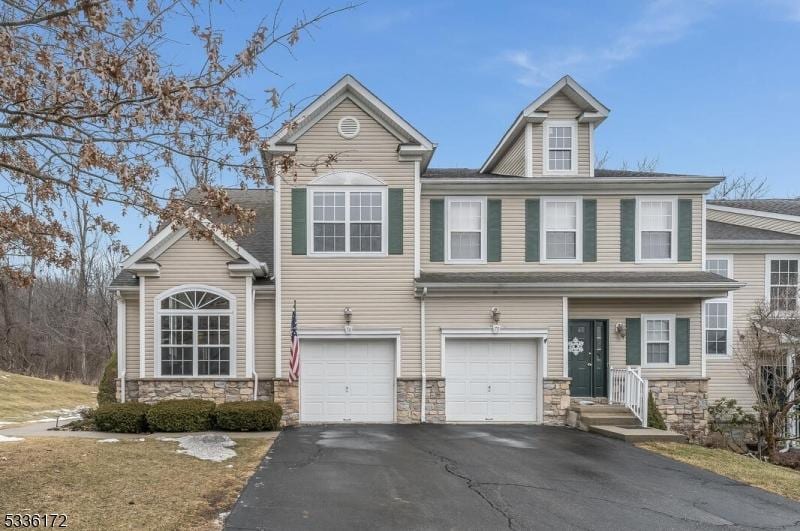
(683, 403)
(409, 400)
(151, 391)
(556, 400)
(287, 395)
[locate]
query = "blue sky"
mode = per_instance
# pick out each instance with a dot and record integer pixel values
(705, 86)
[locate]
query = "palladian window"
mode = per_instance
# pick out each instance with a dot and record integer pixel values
(196, 337)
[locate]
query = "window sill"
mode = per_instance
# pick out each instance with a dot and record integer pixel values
(347, 255)
(657, 261)
(659, 366)
(465, 262)
(561, 261)
(719, 357)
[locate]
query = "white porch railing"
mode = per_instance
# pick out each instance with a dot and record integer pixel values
(627, 387)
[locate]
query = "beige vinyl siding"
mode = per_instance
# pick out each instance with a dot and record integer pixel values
(727, 376)
(264, 336)
(379, 290)
(560, 107)
(780, 225)
(513, 244)
(513, 161)
(132, 336)
(538, 140)
(190, 261)
(617, 310)
(475, 312)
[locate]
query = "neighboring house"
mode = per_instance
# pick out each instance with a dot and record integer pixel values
(504, 292)
(757, 242)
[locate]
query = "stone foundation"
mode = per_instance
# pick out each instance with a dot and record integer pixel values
(683, 404)
(556, 400)
(151, 391)
(409, 400)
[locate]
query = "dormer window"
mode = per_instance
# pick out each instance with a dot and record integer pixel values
(560, 141)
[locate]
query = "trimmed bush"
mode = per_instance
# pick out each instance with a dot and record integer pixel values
(259, 415)
(182, 415)
(130, 417)
(107, 390)
(654, 417)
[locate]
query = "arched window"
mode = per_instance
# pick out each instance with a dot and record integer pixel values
(195, 333)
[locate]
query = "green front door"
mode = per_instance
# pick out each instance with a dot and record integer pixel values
(587, 355)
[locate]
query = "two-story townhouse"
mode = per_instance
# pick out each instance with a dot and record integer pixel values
(503, 292)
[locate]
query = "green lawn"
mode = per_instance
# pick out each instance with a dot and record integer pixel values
(24, 398)
(773, 478)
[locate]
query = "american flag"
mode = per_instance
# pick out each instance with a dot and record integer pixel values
(294, 360)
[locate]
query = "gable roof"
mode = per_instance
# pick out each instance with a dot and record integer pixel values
(786, 207)
(593, 111)
(470, 173)
(348, 87)
(257, 245)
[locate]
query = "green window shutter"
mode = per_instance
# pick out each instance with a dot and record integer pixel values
(531, 230)
(395, 221)
(627, 230)
(437, 230)
(684, 230)
(682, 341)
(494, 230)
(590, 230)
(633, 341)
(299, 233)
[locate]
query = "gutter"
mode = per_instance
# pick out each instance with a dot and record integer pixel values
(424, 374)
(557, 288)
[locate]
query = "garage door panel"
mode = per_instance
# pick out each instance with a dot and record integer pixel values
(491, 380)
(347, 380)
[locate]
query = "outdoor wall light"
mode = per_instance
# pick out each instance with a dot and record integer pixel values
(496, 315)
(620, 329)
(348, 315)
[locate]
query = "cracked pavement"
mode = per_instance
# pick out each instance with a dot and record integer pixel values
(489, 477)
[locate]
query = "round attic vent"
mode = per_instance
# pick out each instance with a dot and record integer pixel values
(349, 127)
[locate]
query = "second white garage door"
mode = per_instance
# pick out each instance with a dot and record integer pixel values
(491, 380)
(347, 380)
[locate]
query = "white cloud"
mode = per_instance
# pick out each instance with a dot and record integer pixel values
(661, 22)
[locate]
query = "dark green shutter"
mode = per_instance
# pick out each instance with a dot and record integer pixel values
(531, 230)
(299, 233)
(633, 341)
(682, 341)
(395, 221)
(494, 230)
(590, 230)
(685, 230)
(627, 230)
(437, 230)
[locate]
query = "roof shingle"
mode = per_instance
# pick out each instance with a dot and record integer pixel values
(789, 207)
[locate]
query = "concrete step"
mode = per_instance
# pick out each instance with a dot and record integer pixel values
(599, 408)
(639, 434)
(610, 419)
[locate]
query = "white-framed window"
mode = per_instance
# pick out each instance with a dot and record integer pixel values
(195, 333)
(658, 340)
(347, 221)
(782, 282)
(560, 147)
(465, 226)
(562, 221)
(656, 229)
(718, 313)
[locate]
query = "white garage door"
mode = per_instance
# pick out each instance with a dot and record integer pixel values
(347, 380)
(491, 380)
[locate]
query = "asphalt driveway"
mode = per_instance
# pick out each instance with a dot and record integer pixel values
(489, 477)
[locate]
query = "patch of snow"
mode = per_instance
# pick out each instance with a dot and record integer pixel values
(221, 518)
(208, 447)
(4, 423)
(108, 440)
(3, 439)
(141, 439)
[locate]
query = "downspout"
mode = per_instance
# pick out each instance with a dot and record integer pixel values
(422, 352)
(255, 385)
